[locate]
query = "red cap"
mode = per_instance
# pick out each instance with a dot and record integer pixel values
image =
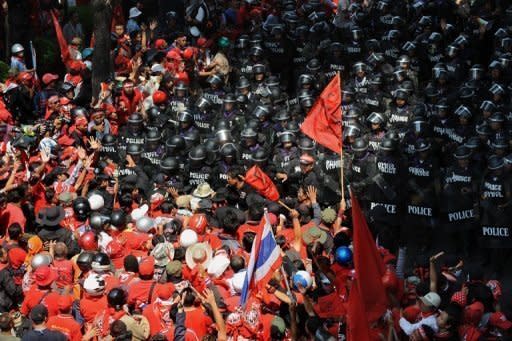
(189, 53)
(201, 42)
(44, 276)
(411, 313)
(147, 266)
(159, 97)
(498, 319)
(49, 77)
(65, 302)
(115, 249)
(173, 54)
(17, 257)
(160, 44)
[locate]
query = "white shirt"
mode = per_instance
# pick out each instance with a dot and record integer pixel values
(409, 327)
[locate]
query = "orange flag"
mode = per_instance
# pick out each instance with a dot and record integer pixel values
(64, 51)
(367, 298)
(323, 123)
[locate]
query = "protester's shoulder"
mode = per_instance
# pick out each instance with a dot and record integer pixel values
(50, 335)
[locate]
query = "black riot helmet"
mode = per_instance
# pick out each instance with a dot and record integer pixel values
(116, 298)
(197, 153)
(186, 117)
(118, 219)
(108, 140)
(175, 145)
(84, 261)
(203, 103)
(153, 114)
(153, 136)
(135, 121)
(293, 126)
(377, 118)
(82, 208)
(306, 144)
(192, 138)
(360, 145)
(462, 152)
(135, 118)
(287, 137)
(259, 156)
(169, 165)
(421, 145)
(387, 145)
(228, 151)
(134, 149)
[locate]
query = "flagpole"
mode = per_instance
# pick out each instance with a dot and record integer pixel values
(341, 152)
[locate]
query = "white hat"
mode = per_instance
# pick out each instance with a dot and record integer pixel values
(199, 253)
(96, 202)
(188, 238)
(431, 300)
(139, 212)
(237, 282)
(134, 12)
(144, 224)
(203, 191)
(157, 68)
(218, 265)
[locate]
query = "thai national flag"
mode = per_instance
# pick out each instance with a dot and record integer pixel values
(264, 261)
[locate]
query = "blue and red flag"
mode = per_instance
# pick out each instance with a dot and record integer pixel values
(264, 261)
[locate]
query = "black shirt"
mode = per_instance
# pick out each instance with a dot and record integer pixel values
(43, 335)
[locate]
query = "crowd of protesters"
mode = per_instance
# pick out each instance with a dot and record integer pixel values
(126, 216)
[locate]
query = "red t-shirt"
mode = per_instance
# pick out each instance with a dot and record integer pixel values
(65, 272)
(12, 214)
(90, 306)
(67, 325)
(36, 296)
(198, 321)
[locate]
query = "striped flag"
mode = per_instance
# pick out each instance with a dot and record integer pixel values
(264, 261)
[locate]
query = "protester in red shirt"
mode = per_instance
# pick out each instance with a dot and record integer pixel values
(64, 322)
(42, 293)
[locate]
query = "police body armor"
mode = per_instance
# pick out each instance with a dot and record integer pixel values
(458, 197)
(385, 190)
(496, 231)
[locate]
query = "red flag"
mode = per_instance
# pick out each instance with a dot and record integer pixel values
(357, 326)
(257, 179)
(323, 123)
(64, 51)
(369, 294)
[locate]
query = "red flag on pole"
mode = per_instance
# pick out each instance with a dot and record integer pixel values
(257, 179)
(323, 123)
(369, 294)
(63, 45)
(357, 326)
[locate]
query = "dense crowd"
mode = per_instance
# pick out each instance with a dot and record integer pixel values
(127, 216)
